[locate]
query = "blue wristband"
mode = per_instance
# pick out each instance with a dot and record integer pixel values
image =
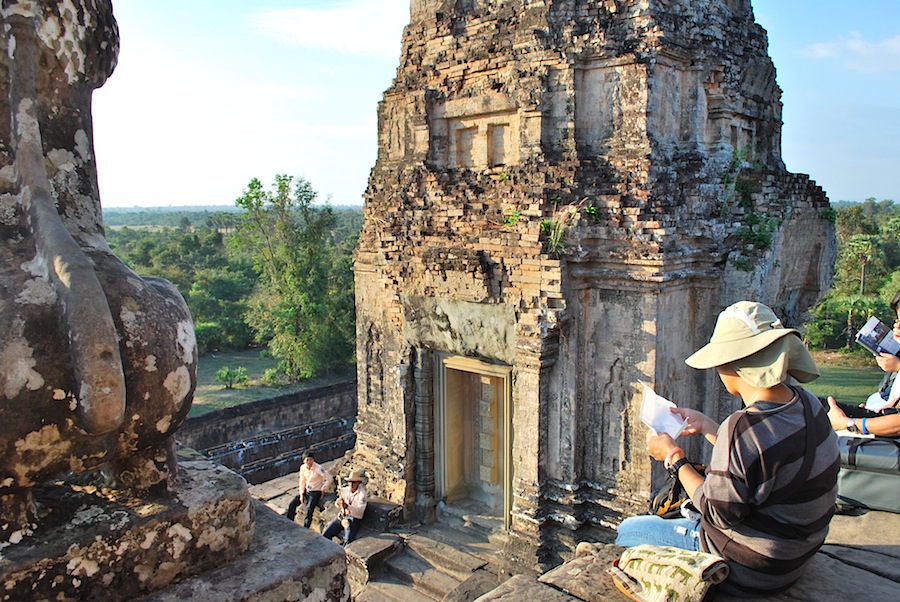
(862, 426)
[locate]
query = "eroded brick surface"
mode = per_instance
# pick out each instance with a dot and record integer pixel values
(645, 136)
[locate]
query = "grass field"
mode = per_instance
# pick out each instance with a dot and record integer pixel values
(850, 379)
(846, 378)
(212, 395)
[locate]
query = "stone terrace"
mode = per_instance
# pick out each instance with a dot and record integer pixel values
(860, 561)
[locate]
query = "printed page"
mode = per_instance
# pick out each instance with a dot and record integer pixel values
(655, 413)
(877, 337)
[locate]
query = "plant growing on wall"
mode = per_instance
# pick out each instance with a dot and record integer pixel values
(512, 218)
(554, 228)
(755, 234)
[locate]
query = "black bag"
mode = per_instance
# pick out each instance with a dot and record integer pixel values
(870, 473)
(670, 498)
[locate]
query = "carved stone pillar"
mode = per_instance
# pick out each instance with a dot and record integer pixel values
(424, 403)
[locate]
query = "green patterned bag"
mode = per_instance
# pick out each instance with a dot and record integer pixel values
(665, 574)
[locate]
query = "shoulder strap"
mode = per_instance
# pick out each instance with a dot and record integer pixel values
(808, 455)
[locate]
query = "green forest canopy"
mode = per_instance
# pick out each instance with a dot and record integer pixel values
(202, 251)
(233, 290)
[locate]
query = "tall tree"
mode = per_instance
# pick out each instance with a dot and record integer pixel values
(300, 305)
(863, 248)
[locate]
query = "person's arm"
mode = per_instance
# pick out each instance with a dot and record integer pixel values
(698, 423)
(662, 448)
(326, 485)
(886, 426)
(725, 496)
(303, 479)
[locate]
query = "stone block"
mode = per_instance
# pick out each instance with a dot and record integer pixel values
(284, 562)
(97, 543)
(523, 587)
(366, 557)
(586, 577)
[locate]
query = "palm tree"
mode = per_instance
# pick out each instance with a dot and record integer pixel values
(855, 305)
(865, 248)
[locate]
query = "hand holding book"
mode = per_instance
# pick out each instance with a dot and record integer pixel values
(878, 337)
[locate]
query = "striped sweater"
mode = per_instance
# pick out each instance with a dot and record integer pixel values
(756, 514)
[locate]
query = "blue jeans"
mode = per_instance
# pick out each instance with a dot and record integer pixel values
(335, 528)
(681, 533)
(310, 503)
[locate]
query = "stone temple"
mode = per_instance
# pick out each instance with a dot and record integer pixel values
(566, 194)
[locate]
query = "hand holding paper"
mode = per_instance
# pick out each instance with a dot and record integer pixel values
(655, 414)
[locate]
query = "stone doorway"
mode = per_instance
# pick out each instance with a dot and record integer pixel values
(473, 437)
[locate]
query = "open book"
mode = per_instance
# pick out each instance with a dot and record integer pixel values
(655, 413)
(877, 337)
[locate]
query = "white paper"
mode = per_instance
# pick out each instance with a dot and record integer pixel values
(655, 414)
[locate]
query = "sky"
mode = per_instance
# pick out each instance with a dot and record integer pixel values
(209, 94)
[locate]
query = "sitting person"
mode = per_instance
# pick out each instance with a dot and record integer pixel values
(313, 481)
(352, 503)
(770, 487)
(883, 406)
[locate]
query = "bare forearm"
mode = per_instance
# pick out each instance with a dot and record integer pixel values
(888, 425)
(690, 479)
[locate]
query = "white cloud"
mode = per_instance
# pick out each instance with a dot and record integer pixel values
(858, 54)
(355, 27)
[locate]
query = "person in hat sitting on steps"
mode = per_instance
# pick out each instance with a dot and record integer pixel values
(771, 484)
(352, 504)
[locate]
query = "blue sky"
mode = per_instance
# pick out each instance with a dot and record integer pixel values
(211, 93)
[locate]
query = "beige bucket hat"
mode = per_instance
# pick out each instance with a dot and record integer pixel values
(356, 475)
(749, 336)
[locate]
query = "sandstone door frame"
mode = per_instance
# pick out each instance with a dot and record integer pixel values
(501, 376)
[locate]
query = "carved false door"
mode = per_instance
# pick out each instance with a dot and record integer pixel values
(473, 438)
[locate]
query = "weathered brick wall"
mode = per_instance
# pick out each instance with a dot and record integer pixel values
(648, 133)
(267, 416)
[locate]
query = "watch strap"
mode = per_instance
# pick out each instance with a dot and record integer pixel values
(675, 467)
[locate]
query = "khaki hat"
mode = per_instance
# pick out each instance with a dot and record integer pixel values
(356, 475)
(745, 336)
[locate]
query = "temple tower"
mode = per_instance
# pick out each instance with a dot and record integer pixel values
(566, 194)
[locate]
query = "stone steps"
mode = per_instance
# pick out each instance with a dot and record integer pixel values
(391, 591)
(459, 565)
(434, 561)
(417, 572)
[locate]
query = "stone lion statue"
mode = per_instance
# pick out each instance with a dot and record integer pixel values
(97, 365)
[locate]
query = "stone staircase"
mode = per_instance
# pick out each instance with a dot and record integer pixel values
(427, 563)
(454, 560)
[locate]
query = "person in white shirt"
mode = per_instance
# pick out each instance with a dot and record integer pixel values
(352, 503)
(880, 414)
(313, 481)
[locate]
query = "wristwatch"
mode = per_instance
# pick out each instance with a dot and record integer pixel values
(674, 468)
(851, 425)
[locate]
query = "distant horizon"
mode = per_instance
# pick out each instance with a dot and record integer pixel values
(207, 208)
(208, 95)
(236, 209)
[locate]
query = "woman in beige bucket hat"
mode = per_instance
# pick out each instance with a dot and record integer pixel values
(770, 487)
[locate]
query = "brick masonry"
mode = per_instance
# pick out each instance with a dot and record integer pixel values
(573, 189)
